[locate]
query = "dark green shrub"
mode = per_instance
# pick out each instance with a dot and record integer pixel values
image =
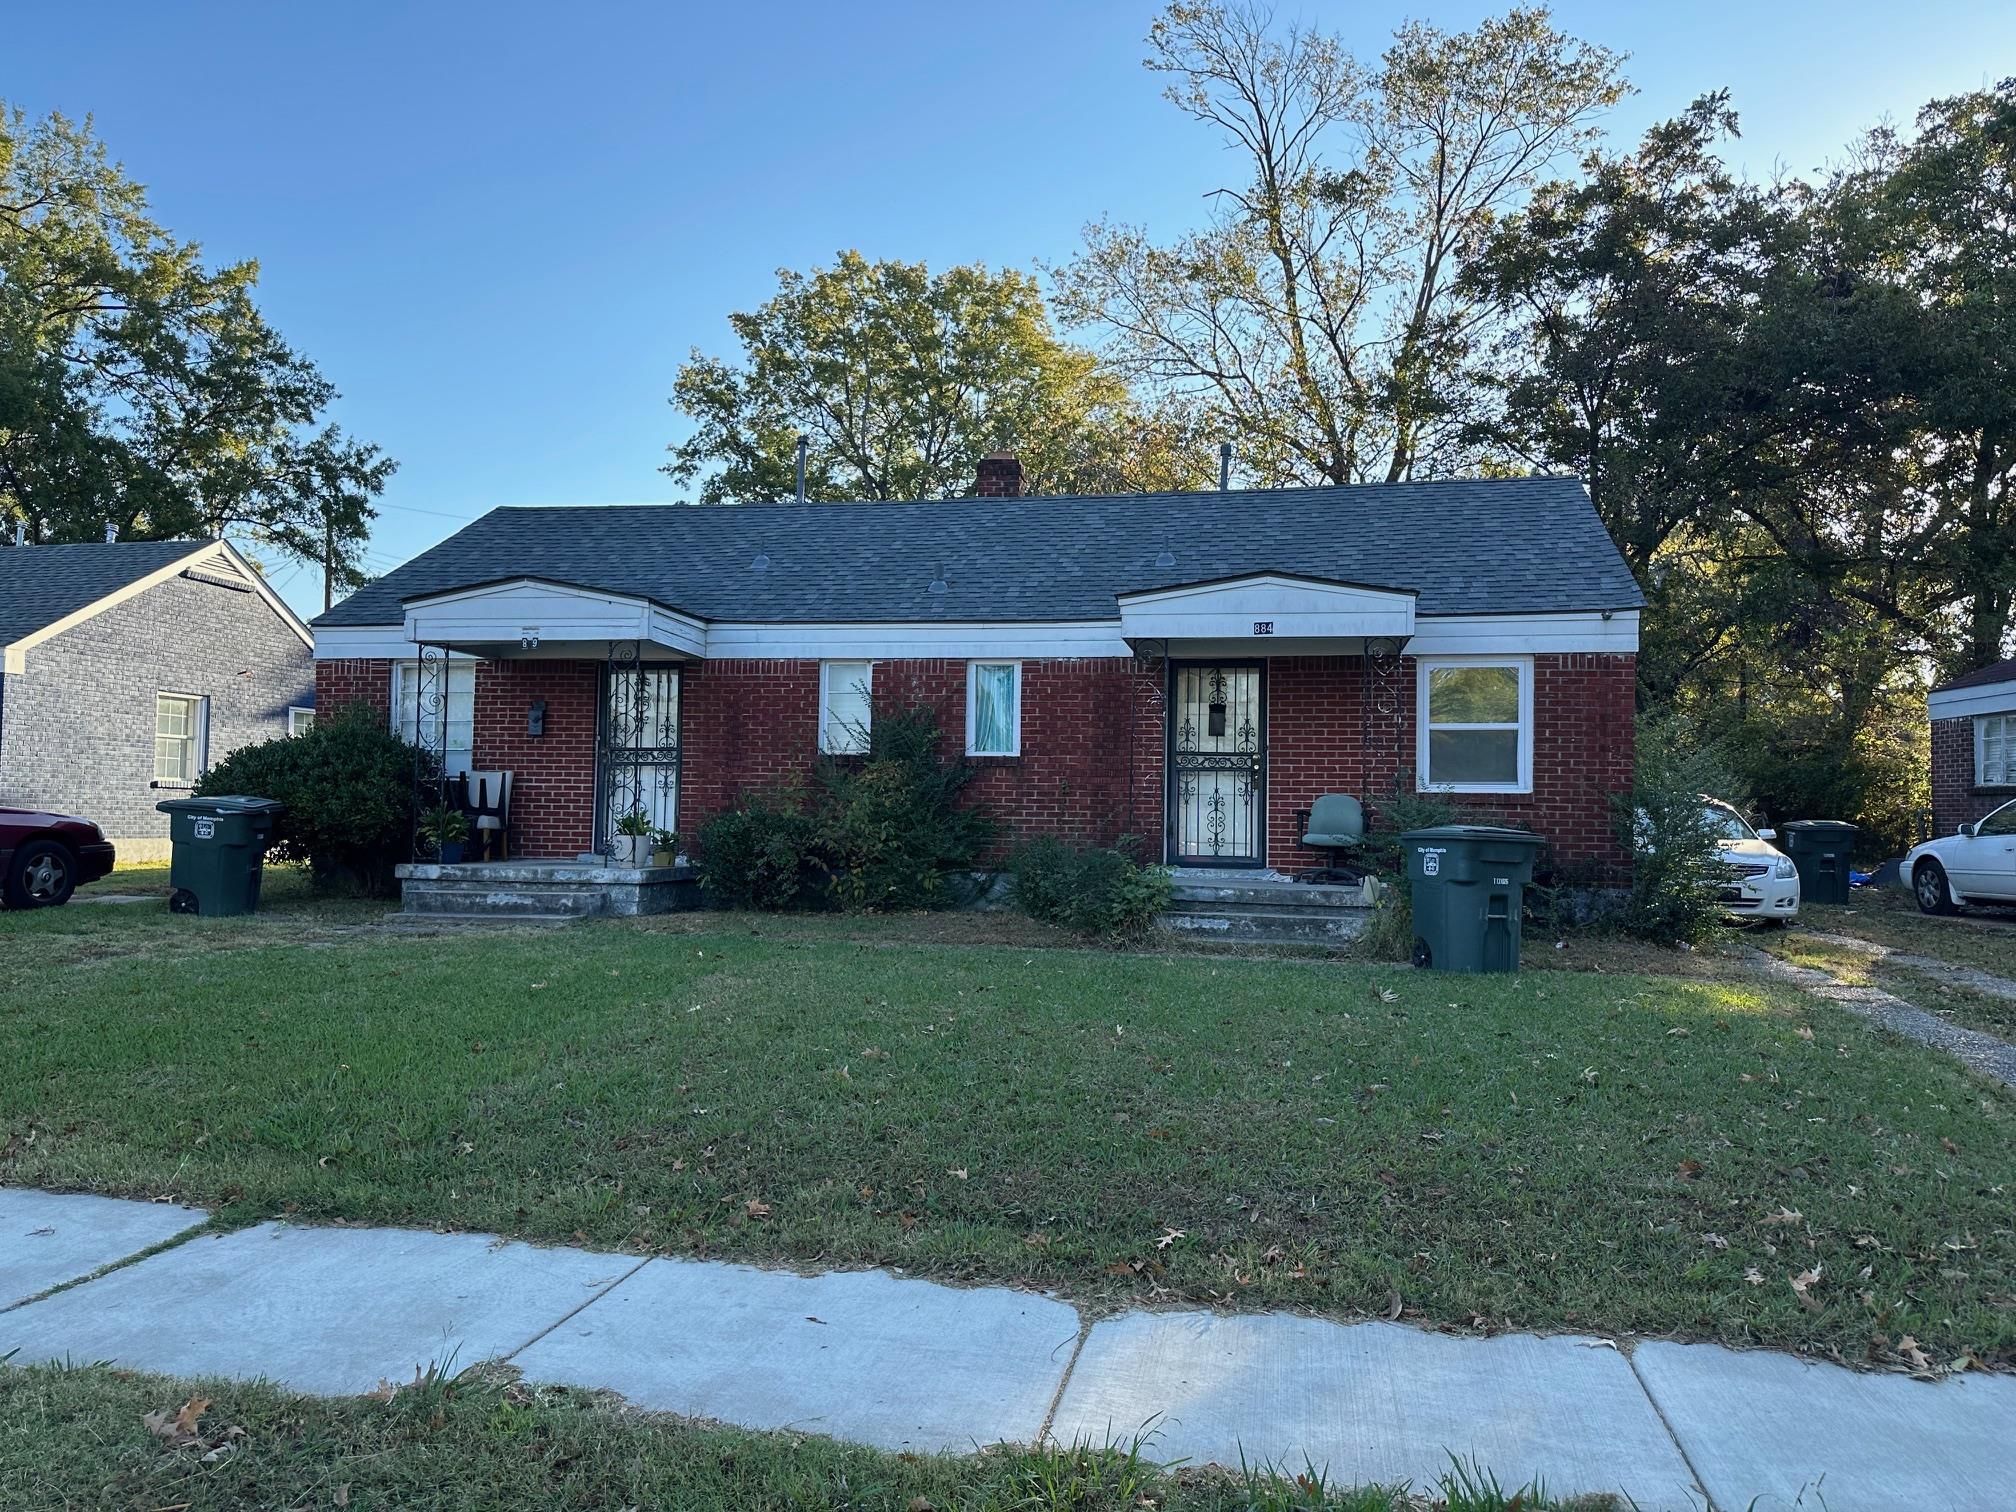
(891, 827)
(1400, 809)
(1105, 893)
(350, 790)
(1676, 876)
(875, 832)
(763, 855)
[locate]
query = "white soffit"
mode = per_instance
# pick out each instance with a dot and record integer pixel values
(1982, 698)
(1263, 605)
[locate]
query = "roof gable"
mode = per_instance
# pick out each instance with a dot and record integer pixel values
(45, 590)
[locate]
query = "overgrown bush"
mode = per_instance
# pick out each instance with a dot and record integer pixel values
(349, 785)
(1400, 809)
(1676, 876)
(1389, 929)
(879, 832)
(763, 855)
(1106, 893)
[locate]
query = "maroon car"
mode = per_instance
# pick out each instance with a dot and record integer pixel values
(46, 857)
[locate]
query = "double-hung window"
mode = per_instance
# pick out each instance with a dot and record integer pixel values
(1995, 750)
(993, 708)
(845, 708)
(181, 730)
(1474, 724)
(300, 721)
(437, 711)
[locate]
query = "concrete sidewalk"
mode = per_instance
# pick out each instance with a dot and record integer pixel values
(909, 1365)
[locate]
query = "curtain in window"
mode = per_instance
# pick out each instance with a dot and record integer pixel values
(1998, 750)
(993, 710)
(843, 728)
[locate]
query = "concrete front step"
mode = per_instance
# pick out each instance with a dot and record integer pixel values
(1261, 927)
(434, 898)
(425, 921)
(546, 890)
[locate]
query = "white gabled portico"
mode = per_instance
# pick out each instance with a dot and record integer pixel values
(536, 617)
(1266, 614)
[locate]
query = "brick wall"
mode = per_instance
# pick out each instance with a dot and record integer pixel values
(1093, 733)
(1956, 799)
(77, 734)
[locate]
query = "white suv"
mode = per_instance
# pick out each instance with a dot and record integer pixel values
(1977, 865)
(1764, 884)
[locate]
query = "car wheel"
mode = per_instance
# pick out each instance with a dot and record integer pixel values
(43, 875)
(1928, 883)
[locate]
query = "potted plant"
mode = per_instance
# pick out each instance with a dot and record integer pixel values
(632, 845)
(664, 847)
(446, 831)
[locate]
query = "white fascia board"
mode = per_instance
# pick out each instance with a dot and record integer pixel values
(1965, 703)
(1266, 604)
(1613, 632)
(1033, 641)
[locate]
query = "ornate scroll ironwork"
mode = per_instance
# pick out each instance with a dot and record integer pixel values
(1379, 701)
(639, 747)
(430, 742)
(1216, 761)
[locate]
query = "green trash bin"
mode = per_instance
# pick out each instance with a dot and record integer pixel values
(219, 852)
(1821, 849)
(1469, 884)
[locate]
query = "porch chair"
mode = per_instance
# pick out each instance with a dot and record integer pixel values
(1335, 824)
(490, 815)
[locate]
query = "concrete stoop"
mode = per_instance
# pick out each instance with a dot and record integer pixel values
(541, 892)
(1264, 908)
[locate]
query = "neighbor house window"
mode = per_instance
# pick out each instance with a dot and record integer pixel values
(845, 710)
(993, 709)
(1995, 750)
(300, 721)
(1475, 724)
(450, 689)
(181, 722)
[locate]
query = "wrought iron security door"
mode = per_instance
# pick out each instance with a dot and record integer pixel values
(1218, 765)
(639, 756)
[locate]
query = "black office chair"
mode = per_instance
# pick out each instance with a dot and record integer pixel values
(1336, 824)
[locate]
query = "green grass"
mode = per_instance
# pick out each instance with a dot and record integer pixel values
(1984, 938)
(1584, 1150)
(1931, 990)
(74, 1438)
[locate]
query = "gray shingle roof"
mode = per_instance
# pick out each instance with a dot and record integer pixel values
(41, 584)
(1499, 546)
(1981, 677)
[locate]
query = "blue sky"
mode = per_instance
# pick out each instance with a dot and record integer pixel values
(499, 228)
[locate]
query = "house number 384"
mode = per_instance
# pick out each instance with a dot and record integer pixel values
(1263, 627)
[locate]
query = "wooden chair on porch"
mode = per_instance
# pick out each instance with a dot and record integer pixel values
(489, 808)
(1334, 824)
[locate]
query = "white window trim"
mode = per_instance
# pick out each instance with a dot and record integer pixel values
(826, 668)
(1014, 704)
(294, 711)
(1426, 665)
(199, 756)
(1981, 778)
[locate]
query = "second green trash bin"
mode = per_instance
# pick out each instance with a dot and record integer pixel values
(219, 852)
(1469, 883)
(1820, 849)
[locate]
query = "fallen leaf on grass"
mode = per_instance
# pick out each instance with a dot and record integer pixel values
(1678, 1033)
(1919, 1361)
(342, 1496)
(1753, 1275)
(178, 1427)
(1170, 1236)
(1393, 1306)
(755, 1207)
(1689, 1170)
(1715, 1241)
(1801, 1288)
(958, 1172)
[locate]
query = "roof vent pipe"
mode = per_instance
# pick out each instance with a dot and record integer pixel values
(1224, 465)
(111, 532)
(20, 532)
(801, 467)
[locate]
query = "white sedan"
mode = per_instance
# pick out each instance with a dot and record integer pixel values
(1763, 882)
(1977, 865)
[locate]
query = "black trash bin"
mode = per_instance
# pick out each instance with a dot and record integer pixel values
(219, 852)
(1820, 849)
(1469, 884)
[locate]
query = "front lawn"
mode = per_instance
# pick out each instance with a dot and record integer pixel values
(1984, 938)
(1554, 1150)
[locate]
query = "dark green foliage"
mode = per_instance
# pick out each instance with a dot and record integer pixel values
(1676, 877)
(1105, 893)
(879, 832)
(1401, 808)
(349, 786)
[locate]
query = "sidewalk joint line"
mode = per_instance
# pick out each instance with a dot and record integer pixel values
(1057, 1396)
(576, 1310)
(1700, 1482)
(160, 1247)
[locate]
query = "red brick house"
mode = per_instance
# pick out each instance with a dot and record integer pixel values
(1973, 745)
(1191, 668)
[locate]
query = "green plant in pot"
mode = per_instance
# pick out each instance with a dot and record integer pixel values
(632, 844)
(664, 848)
(445, 831)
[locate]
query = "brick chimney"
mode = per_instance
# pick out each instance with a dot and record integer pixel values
(1000, 477)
